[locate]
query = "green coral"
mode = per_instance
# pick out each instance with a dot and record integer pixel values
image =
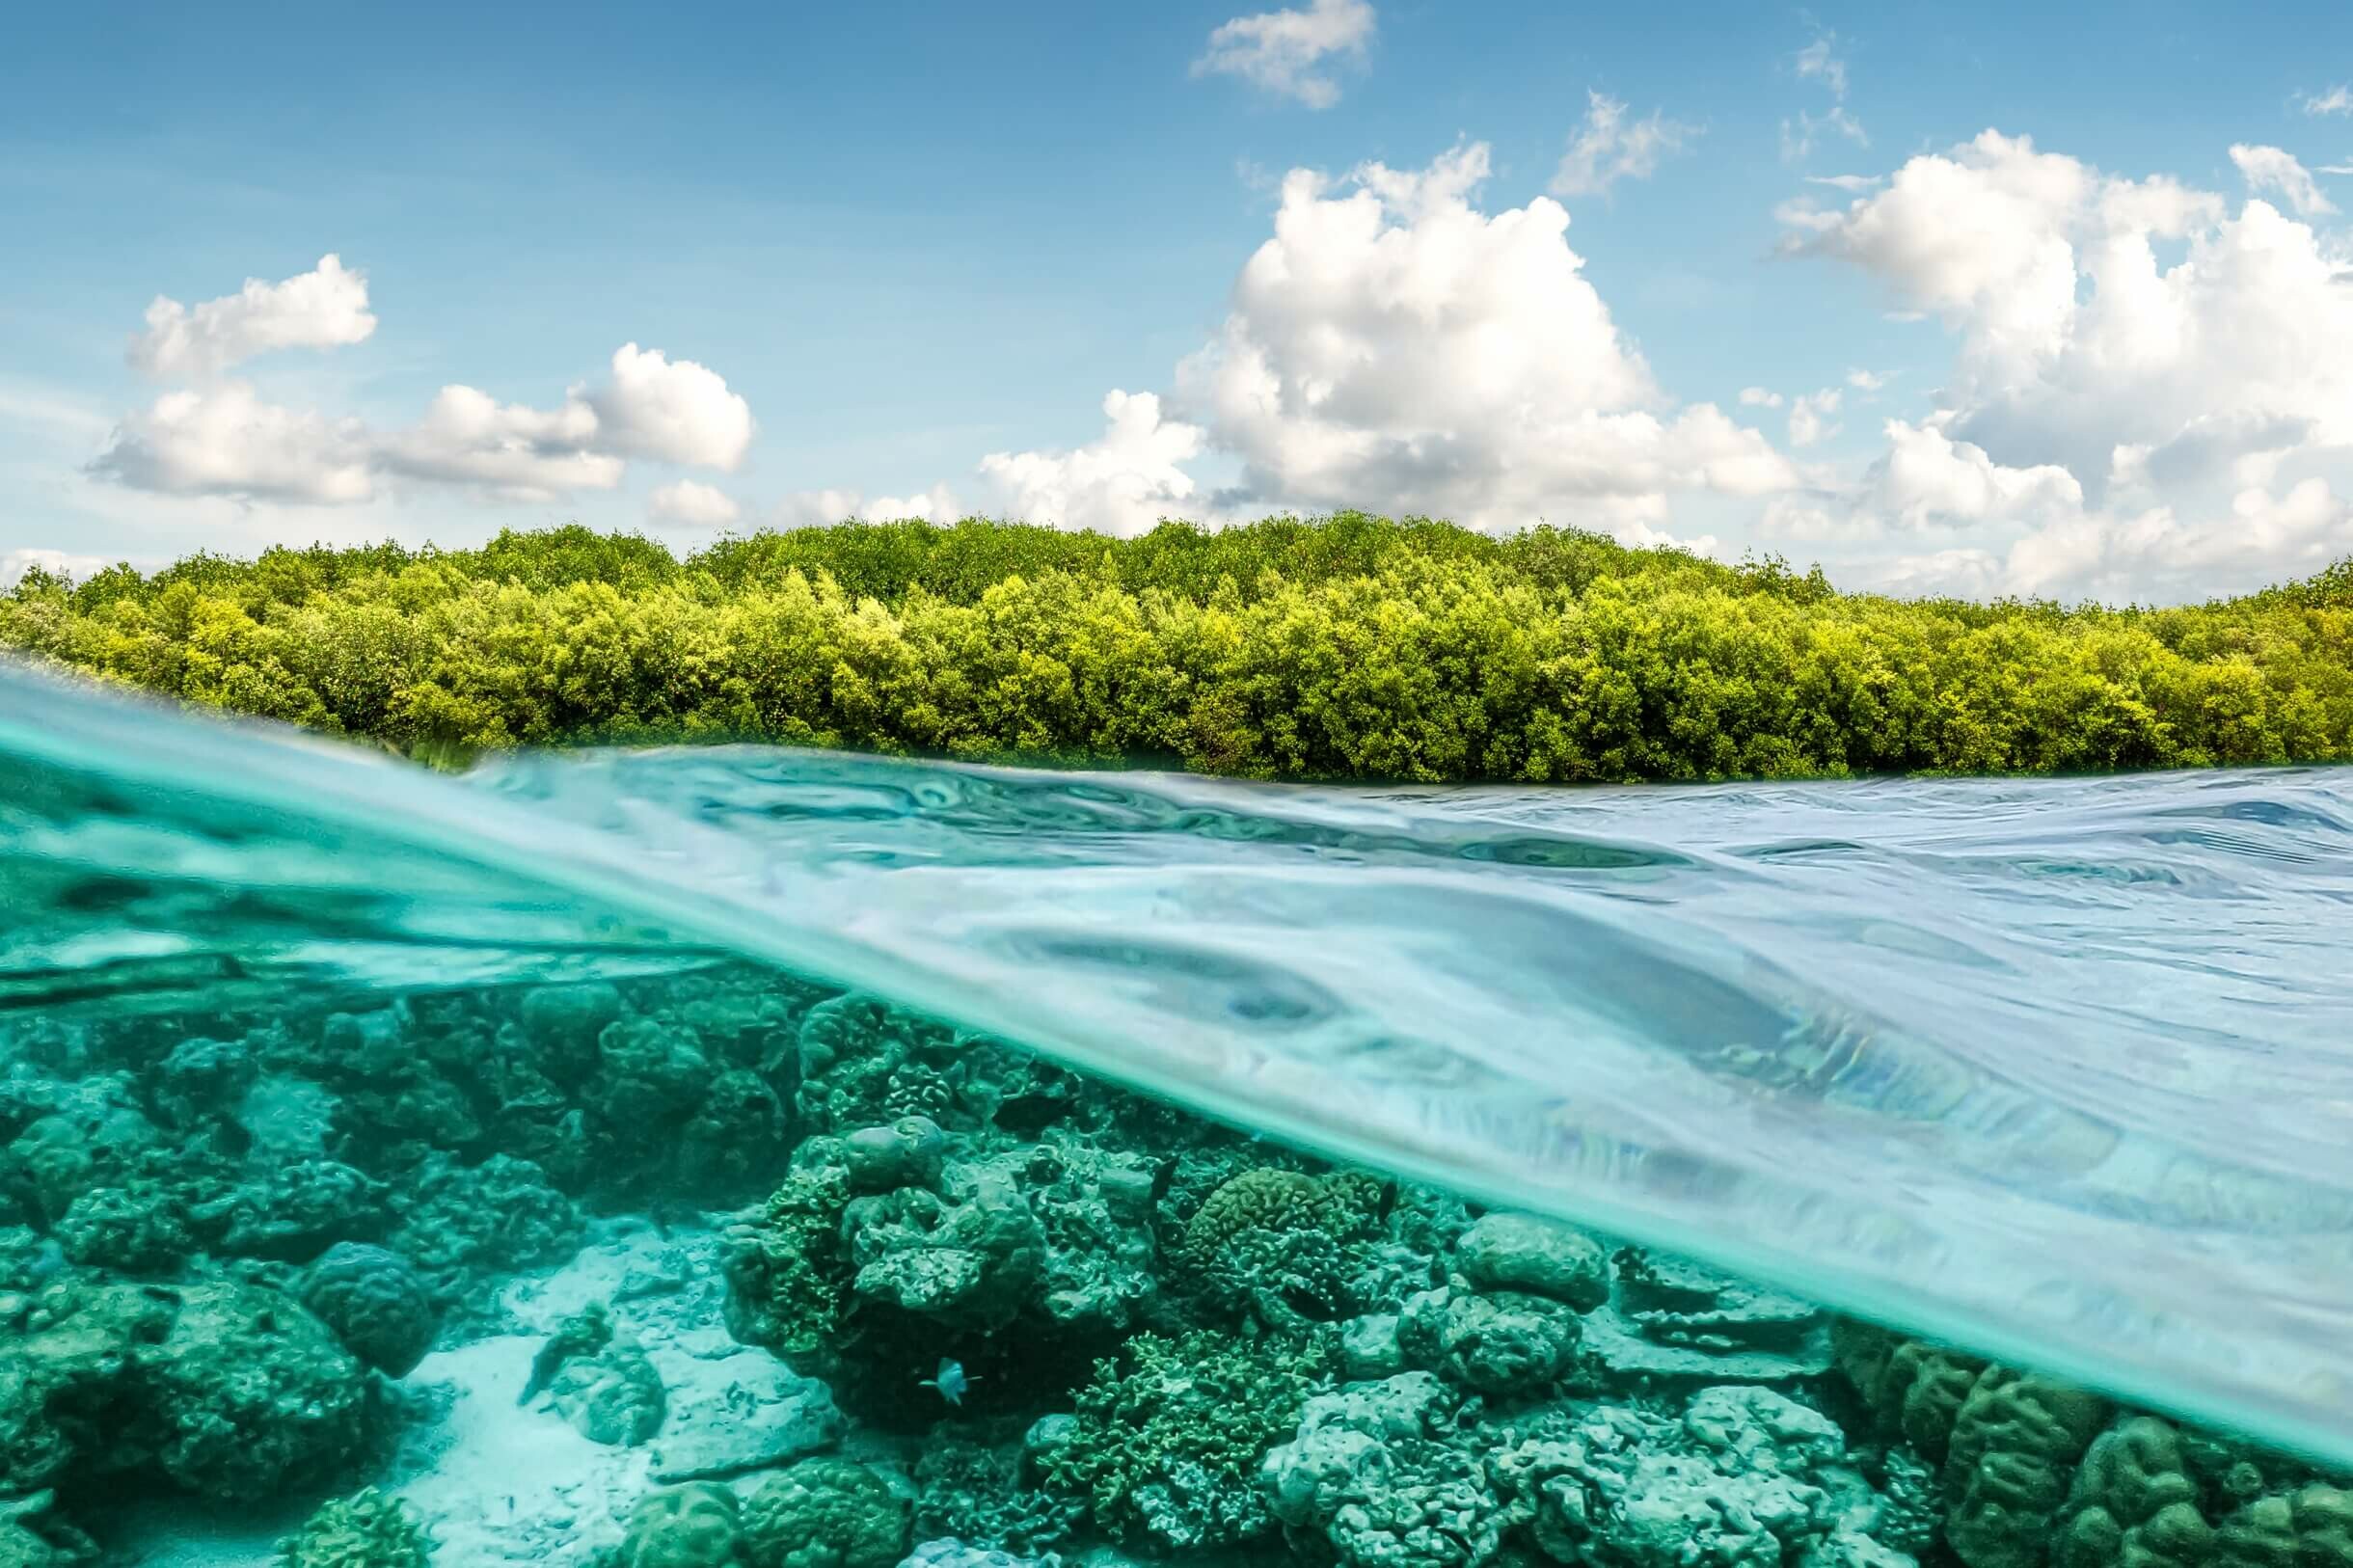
(2133, 1504)
(970, 1258)
(1371, 1479)
(2013, 1450)
(864, 1063)
(1268, 1198)
(136, 1230)
(225, 1390)
(375, 1302)
(368, 1530)
(976, 1495)
(1272, 1245)
(825, 1513)
(1914, 1389)
(2309, 1527)
(1501, 1342)
(696, 1526)
(788, 1269)
(1169, 1436)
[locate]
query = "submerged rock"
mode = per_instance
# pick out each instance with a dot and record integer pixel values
(745, 1413)
(228, 1391)
(1535, 1255)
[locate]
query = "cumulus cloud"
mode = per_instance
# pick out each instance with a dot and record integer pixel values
(324, 308)
(2074, 340)
(692, 504)
(1928, 479)
(507, 449)
(2337, 100)
(1865, 380)
(1124, 483)
(222, 438)
(2273, 168)
(1759, 397)
(1281, 51)
(2112, 423)
(225, 441)
(1392, 342)
(1611, 147)
(679, 413)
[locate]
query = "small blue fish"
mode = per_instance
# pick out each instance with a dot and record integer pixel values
(950, 1382)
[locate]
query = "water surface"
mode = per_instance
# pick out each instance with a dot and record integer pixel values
(2060, 1070)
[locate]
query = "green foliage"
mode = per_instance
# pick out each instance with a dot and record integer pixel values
(1347, 647)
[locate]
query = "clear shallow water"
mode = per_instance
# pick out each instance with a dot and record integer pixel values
(2061, 1070)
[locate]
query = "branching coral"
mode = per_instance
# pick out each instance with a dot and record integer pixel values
(1169, 1436)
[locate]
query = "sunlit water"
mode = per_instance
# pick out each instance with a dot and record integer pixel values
(2059, 1070)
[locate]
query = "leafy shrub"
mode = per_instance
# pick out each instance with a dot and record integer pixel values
(1349, 647)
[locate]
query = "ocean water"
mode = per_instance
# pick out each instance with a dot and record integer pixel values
(735, 1156)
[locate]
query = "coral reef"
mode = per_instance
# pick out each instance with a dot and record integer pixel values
(365, 1530)
(892, 1291)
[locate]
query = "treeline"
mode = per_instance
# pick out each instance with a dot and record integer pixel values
(1350, 647)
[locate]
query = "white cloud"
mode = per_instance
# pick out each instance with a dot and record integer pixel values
(1281, 50)
(2074, 340)
(1865, 380)
(692, 504)
(2114, 424)
(1799, 136)
(1122, 484)
(1849, 183)
(2273, 168)
(225, 441)
(1393, 346)
(2149, 556)
(822, 508)
(510, 450)
(1759, 397)
(1928, 479)
(1819, 61)
(679, 412)
(324, 308)
(1611, 147)
(223, 438)
(76, 568)
(2337, 100)
(1809, 416)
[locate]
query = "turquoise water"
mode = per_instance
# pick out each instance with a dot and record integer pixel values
(2059, 1071)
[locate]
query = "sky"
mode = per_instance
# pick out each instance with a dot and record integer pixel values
(1987, 300)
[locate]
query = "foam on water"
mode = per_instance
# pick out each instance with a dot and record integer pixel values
(2061, 1070)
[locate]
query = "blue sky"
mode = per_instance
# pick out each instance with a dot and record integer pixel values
(2069, 358)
